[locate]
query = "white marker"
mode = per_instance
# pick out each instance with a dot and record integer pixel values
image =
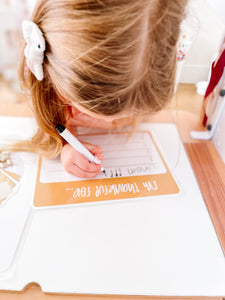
(76, 144)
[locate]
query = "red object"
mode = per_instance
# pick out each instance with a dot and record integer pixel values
(216, 73)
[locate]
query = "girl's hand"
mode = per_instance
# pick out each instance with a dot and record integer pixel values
(78, 165)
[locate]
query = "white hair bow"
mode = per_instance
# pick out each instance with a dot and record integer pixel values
(34, 50)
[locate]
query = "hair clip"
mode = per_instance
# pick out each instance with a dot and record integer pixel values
(34, 50)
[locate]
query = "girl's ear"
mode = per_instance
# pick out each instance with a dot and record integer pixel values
(68, 108)
(69, 114)
(72, 112)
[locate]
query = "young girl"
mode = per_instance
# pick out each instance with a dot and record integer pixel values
(96, 63)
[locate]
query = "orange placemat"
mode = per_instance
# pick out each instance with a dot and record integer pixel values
(150, 177)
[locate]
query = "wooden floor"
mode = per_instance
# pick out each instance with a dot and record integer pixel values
(185, 99)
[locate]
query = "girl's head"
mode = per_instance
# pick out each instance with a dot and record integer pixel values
(106, 56)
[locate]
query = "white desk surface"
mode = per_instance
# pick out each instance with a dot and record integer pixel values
(163, 245)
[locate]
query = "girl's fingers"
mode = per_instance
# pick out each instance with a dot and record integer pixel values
(95, 150)
(84, 164)
(77, 171)
(78, 165)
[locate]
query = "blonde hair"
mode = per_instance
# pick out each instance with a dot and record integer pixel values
(99, 51)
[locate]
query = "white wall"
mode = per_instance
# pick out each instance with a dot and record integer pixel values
(12, 12)
(207, 29)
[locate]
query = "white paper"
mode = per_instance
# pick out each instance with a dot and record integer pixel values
(124, 156)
